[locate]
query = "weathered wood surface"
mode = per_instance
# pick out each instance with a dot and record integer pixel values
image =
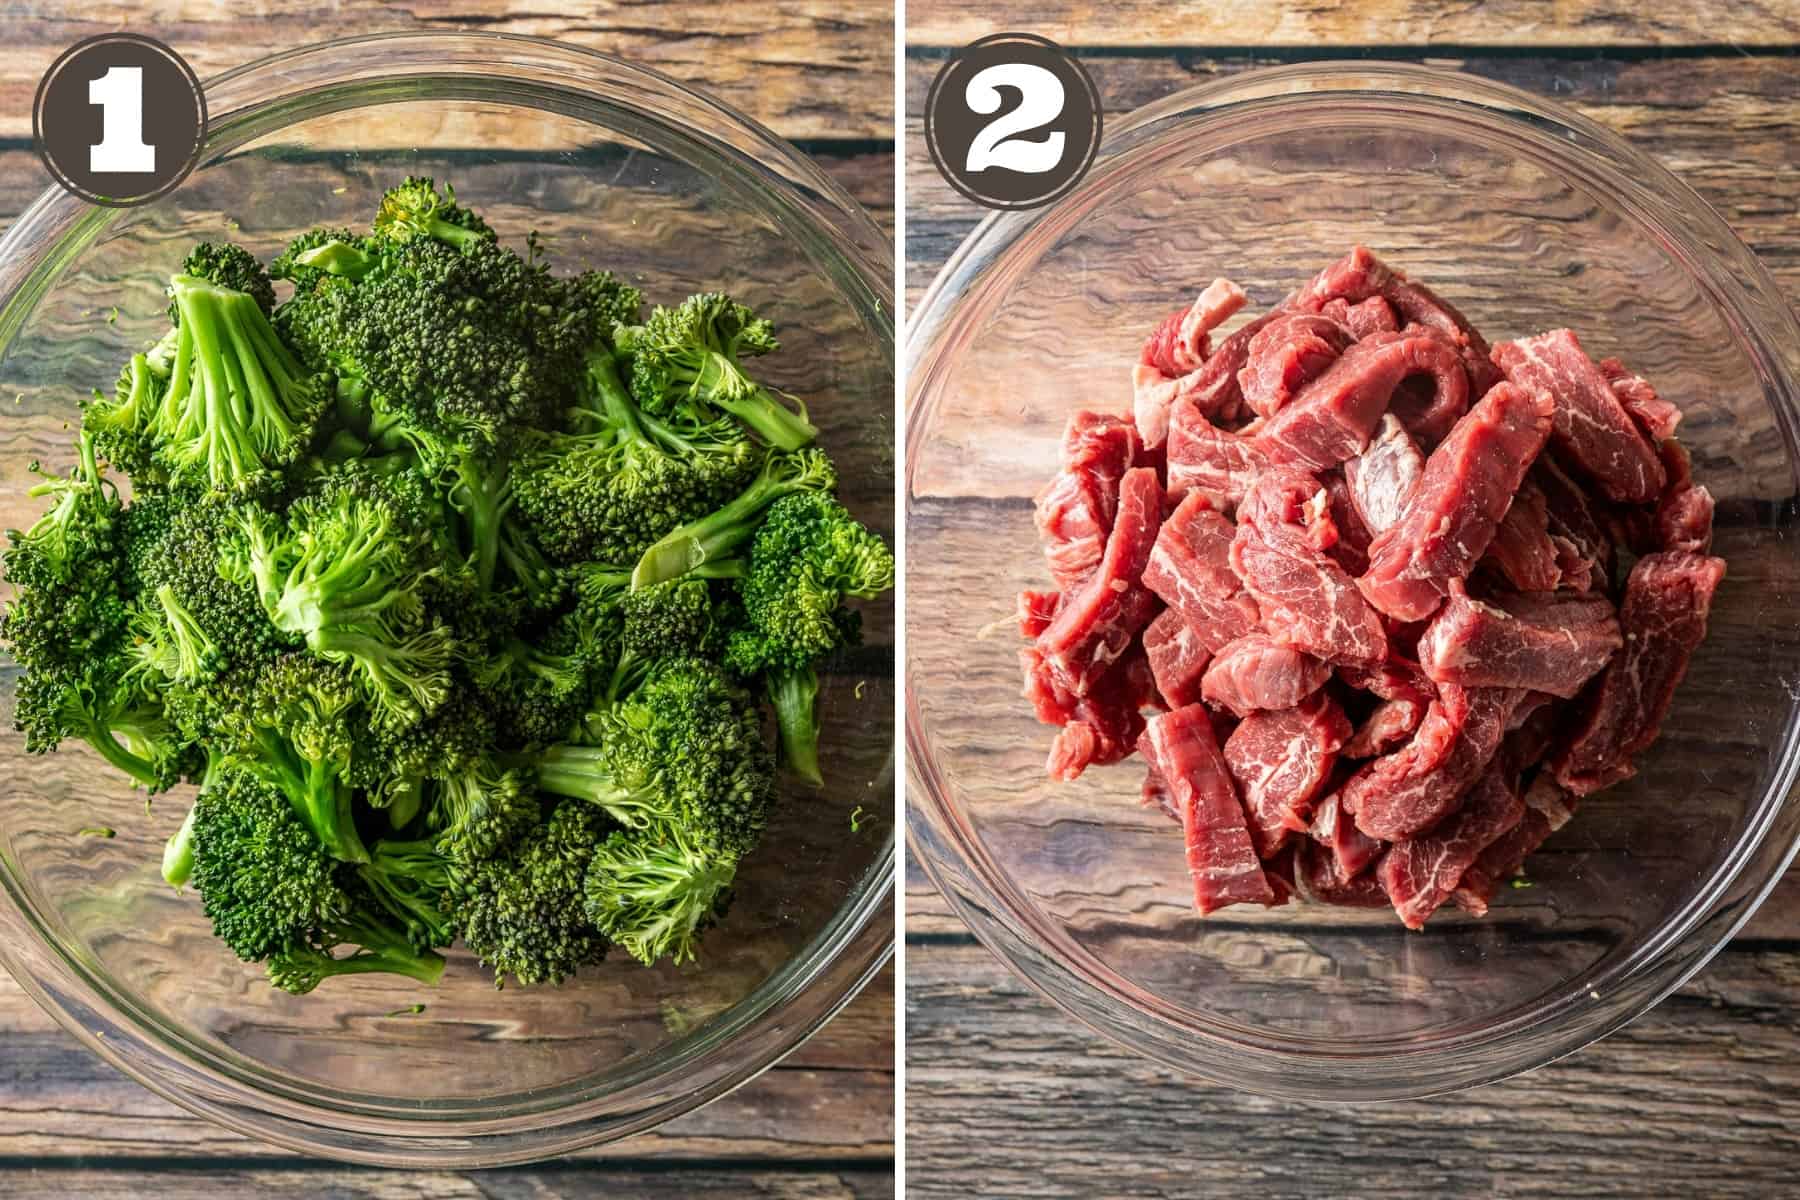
(818, 1125)
(806, 68)
(1700, 1096)
(1724, 124)
(1587, 23)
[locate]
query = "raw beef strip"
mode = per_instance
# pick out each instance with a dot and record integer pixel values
(1205, 458)
(1333, 416)
(1591, 426)
(1036, 611)
(1171, 362)
(1156, 794)
(1190, 569)
(1097, 622)
(1374, 315)
(1654, 415)
(1457, 504)
(1316, 879)
(1684, 515)
(1280, 760)
(1220, 856)
(1574, 526)
(1407, 792)
(1285, 354)
(1360, 275)
(1388, 725)
(1255, 673)
(1353, 537)
(1420, 874)
(1307, 600)
(1383, 475)
(1553, 642)
(1099, 728)
(1178, 658)
(1667, 600)
(1350, 850)
(1547, 809)
(1074, 515)
(1214, 387)
(1182, 342)
(1528, 556)
(1103, 445)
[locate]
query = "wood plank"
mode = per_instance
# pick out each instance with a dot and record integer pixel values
(832, 1099)
(806, 68)
(1700, 1097)
(1726, 125)
(650, 1181)
(1366, 23)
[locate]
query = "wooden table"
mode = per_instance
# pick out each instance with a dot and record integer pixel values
(821, 1124)
(1700, 1097)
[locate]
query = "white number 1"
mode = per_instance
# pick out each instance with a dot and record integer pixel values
(1040, 102)
(120, 95)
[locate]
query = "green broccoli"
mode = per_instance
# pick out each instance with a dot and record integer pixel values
(522, 915)
(686, 359)
(809, 556)
(653, 894)
(716, 535)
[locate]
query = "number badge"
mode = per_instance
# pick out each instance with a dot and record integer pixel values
(1012, 121)
(119, 119)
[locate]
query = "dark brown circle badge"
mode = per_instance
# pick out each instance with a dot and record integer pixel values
(1012, 121)
(119, 119)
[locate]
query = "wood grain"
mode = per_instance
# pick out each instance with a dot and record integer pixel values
(1366, 23)
(805, 68)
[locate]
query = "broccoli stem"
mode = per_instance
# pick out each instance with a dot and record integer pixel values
(319, 795)
(717, 534)
(770, 419)
(794, 694)
(178, 853)
(580, 773)
(106, 745)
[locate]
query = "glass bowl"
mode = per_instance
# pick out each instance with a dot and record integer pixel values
(1527, 217)
(618, 167)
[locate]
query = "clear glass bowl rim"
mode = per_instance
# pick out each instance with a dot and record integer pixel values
(253, 101)
(941, 835)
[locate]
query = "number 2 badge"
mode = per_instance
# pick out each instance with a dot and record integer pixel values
(1012, 121)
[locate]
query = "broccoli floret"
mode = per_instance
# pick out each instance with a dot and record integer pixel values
(685, 748)
(653, 894)
(348, 571)
(379, 949)
(610, 492)
(320, 252)
(538, 689)
(416, 209)
(121, 426)
(410, 881)
(481, 812)
(809, 556)
(687, 359)
(680, 618)
(716, 535)
(239, 403)
(522, 915)
(296, 729)
(264, 879)
(232, 267)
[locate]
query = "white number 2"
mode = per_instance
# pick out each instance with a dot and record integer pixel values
(120, 95)
(1041, 102)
